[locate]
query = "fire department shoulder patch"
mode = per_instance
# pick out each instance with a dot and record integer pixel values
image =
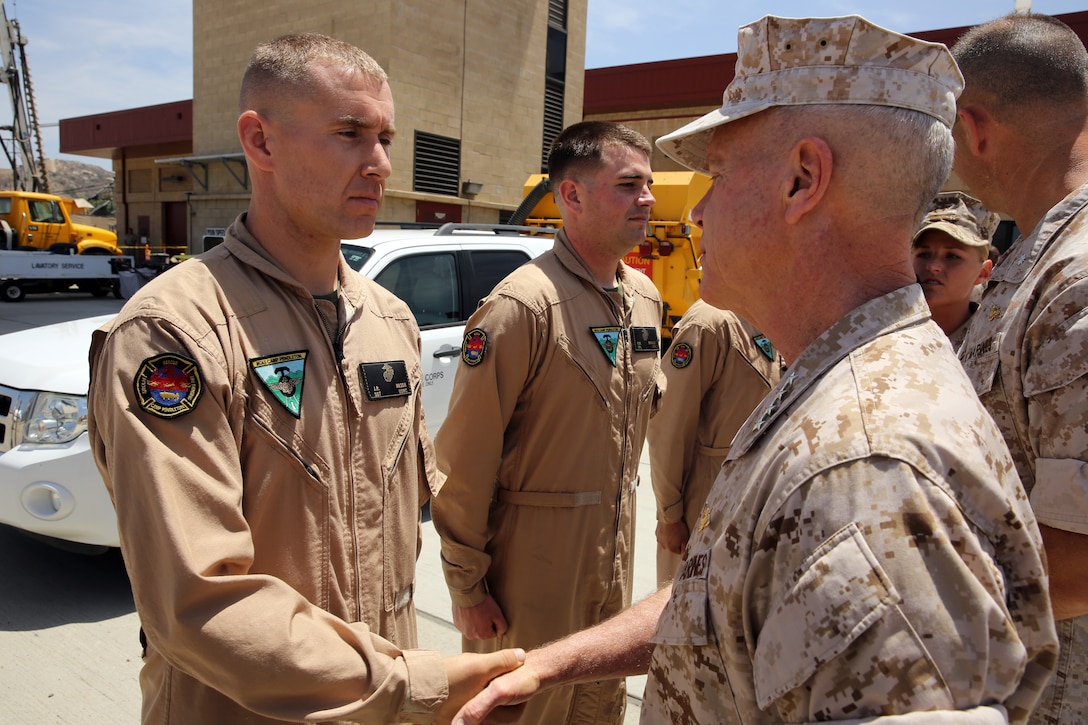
(681, 355)
(474, 346)
(168, 385)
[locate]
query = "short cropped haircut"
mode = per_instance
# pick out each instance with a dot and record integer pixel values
(1021, 60)
(580, 147)
(284, 66)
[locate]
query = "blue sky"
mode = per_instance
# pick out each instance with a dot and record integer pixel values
(109, 55)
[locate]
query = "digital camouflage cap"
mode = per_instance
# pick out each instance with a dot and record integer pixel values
(961, 217)
(846, 60)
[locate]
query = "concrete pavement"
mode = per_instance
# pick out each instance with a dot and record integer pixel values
(68, 628)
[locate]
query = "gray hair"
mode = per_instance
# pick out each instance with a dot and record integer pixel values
(913, 160)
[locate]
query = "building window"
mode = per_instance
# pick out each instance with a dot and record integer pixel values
(436, 166)
(555, 82)
(553, 118)
(557, 13)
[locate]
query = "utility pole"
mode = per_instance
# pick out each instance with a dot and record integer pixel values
(28, 166)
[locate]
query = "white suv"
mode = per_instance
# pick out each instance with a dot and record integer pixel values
(49, 485)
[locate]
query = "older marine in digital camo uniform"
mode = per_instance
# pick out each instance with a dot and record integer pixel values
(1022, 148)
(868, 550)
(255, 413)
(548, 419)
(717, 369)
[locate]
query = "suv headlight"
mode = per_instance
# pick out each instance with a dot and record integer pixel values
(57, 418)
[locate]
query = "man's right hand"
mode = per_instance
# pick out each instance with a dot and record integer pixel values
(469, 673)
(673, 537)
(483, 621)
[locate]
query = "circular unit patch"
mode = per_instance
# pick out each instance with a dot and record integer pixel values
(681, 355)
(168, 385)
(474, 347)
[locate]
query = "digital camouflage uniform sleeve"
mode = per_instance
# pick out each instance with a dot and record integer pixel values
(1055, 379)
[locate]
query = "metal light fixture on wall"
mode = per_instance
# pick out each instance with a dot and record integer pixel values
(471, 188)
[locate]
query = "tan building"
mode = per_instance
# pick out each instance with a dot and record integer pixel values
(481, 89)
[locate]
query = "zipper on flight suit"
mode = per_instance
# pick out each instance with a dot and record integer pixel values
(624, 357)
(335, 336)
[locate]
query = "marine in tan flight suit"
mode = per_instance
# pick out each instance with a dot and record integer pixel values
(255, 413)
(717, 369)
(547, 422)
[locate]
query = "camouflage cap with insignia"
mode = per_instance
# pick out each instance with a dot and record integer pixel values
(961, 217)
(810, 61)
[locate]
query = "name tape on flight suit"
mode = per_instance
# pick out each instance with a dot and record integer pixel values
(386, 379)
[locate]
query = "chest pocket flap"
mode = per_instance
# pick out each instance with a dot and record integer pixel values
(840, 592)
(684, 619)
(1061, 358)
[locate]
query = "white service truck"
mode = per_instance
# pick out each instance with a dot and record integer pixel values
(22, 272)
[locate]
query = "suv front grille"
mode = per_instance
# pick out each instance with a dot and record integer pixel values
(14, 406)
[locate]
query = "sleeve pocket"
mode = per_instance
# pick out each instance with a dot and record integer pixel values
(840, 591)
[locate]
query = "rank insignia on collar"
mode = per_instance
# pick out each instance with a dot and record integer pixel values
(474, 347)
(765, 345)
(681, 355)
(168, 385)
(283, 375)
(386, 379)
(644, 339)
(609, 340)
(995, 312)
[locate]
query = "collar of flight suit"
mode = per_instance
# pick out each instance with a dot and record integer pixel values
(569, 258)
(245, 247)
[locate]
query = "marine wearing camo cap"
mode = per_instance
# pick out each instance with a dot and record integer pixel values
(867, 550)
(801, 62)
(816, 583)
(961, 217)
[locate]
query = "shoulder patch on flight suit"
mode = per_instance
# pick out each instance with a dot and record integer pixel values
(644, 339)
(386, 379)
(283, 375)
(609, 340)
(681, 355)
(765, 345)
(168, 385)
(474, 346)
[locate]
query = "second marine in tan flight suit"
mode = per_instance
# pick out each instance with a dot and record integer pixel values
(547, 422)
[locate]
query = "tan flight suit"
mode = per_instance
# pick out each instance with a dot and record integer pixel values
(868, 549)
(1026, 352)
(718, 368)
(541, 449)
(268, 499)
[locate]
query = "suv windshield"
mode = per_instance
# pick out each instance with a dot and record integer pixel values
(356, 256)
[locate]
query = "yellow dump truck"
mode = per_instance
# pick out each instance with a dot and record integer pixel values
(32, 220)
(670, 253)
